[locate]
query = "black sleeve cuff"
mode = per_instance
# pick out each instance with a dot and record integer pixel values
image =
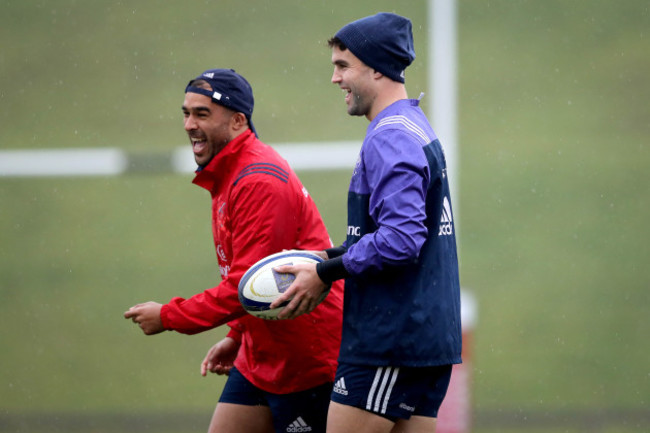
(335, 252)
(332, 270)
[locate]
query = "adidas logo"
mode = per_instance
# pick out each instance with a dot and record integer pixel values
(339, 387)
(446, 219)
(299, 425)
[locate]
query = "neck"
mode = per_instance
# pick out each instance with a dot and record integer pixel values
(388, 93)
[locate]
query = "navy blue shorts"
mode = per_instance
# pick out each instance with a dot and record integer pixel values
(304, 411)
(392, 392)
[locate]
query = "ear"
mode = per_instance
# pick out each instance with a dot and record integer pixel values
(238, 121)
(376, 74)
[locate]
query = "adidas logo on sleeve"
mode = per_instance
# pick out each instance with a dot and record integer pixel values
(446, 219)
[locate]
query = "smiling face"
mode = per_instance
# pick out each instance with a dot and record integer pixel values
(208, 125)
(356, 79)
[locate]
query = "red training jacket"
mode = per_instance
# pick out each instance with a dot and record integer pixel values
(260, 207)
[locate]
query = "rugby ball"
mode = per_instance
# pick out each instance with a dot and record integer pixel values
(261, 284)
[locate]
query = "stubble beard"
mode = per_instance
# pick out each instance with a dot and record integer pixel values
(358, 106)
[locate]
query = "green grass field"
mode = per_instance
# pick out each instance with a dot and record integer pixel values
(554, 200)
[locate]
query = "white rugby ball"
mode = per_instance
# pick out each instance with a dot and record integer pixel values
(261, 284)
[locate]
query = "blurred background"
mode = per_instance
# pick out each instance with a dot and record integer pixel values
(554, 199)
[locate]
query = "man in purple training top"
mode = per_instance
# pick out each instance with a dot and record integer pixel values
(401, 317)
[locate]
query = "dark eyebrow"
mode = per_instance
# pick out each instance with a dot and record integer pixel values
(200, 109)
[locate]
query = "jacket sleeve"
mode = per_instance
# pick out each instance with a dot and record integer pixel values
(398, 176)
(235, 331)
(203, 311)
(263, 218)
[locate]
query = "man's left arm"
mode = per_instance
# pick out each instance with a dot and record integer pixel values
(398, 176)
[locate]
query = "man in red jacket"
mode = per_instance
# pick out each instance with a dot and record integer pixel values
(281, 372)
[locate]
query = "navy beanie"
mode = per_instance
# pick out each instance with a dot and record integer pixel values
(383, 41)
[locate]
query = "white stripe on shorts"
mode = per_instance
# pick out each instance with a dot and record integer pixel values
(378, 398)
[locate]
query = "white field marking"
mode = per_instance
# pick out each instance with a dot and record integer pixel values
(114, 161)
(300, 156)
(63, 162)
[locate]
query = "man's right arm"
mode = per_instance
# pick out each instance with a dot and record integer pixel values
(203, 311)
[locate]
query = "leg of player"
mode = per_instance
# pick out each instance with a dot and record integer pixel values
(416, 424)
(344, 419)
(237, 418)
(347, 418)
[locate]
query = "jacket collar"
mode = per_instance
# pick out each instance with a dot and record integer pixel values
(217, 169)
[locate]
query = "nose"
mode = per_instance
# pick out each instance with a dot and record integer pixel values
(190, 124)
(336, 77)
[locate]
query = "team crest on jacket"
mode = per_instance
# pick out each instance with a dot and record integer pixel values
(221, 253)
(224, 267)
